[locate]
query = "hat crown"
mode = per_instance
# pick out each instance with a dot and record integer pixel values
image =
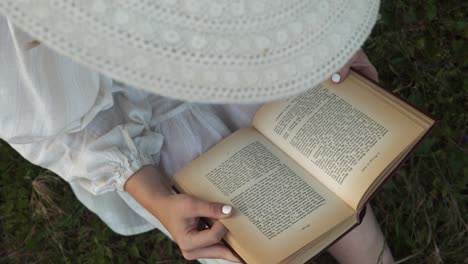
(203, 50)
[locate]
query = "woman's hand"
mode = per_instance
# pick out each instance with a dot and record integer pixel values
(360, 63)
(180, 214)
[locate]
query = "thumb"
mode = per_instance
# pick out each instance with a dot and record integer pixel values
(340, 75)
(211, 210)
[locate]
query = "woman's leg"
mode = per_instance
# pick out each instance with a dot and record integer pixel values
(364, 244)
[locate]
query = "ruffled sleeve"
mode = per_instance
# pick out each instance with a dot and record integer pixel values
(73, 121)
(107, 152)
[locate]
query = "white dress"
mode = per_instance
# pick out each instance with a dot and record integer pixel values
(95, 132)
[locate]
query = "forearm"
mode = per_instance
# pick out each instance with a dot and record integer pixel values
(149, 187)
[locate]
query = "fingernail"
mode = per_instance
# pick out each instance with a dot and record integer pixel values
(227, 209)
(336, 78)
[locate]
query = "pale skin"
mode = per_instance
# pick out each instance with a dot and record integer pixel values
(180, 213)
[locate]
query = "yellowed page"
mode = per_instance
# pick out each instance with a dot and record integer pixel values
(406, 109)
(385, 173)
(345, 135)
(279, 207)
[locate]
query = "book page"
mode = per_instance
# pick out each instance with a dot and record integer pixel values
(345, 135)
(279, 207)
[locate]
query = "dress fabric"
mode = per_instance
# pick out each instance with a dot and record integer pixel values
(95, 132)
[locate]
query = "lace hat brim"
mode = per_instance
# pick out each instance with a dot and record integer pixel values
(219, 51)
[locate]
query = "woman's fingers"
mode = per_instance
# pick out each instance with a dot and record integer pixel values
(200, 239)
(360, 63)
(341, 74)
(365, 67)
(181, 218)
(344, 71)
(218, 251)
(200, 208)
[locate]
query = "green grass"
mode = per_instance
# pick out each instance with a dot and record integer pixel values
(419, 48)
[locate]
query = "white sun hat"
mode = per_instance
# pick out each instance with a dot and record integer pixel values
(219, 51)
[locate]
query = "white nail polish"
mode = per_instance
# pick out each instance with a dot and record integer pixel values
(227, 209)
(336, 78)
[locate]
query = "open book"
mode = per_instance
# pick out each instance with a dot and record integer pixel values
(299, 178)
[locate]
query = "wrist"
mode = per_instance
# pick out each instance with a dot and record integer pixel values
(149, 187)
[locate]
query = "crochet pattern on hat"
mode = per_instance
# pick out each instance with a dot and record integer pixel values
(203, 50)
